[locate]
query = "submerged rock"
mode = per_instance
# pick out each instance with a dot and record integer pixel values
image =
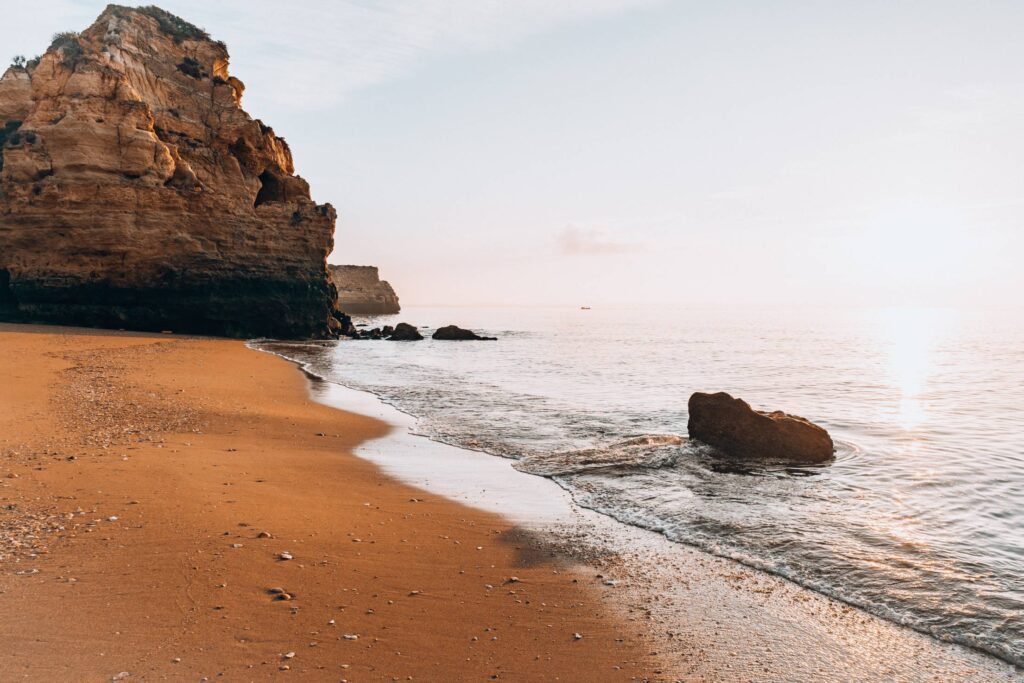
(405, 332)
(135, 192)
(731, 425)
(456, 333)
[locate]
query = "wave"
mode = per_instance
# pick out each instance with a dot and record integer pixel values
(648, 481)
(650, 451)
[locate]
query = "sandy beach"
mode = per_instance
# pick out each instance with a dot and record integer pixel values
(151, 485)
(178, 508)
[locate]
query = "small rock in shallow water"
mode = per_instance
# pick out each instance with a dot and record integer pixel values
(456, 333)
(405, 332)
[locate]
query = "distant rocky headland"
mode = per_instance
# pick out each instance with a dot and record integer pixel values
(361, 291)
(136, 193)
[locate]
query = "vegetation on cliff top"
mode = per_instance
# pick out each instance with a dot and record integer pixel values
(175, 26)
(68, 44)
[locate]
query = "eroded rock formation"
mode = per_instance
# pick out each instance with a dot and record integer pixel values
(456, 333)
(135, 192)
(362, 292)
(405, 332)
(731, 425)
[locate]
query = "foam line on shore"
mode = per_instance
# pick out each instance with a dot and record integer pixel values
(679, 588)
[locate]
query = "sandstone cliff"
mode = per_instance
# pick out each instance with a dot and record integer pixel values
(361, 291)
(135, 192)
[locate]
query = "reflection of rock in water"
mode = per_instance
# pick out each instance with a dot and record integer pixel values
(651, 451)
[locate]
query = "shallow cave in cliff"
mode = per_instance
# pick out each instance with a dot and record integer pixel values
(271, 189)
(7, 298)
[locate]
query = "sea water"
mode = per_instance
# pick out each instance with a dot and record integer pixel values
(919, 519)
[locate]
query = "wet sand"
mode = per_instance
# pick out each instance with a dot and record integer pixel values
(149, 485)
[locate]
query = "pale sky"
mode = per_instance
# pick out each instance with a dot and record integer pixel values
(620, 151)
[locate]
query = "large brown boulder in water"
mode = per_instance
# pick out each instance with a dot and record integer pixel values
(135, 192)
(731, 425)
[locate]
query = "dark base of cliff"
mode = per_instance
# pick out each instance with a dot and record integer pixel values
(239, 307)
(368, 309)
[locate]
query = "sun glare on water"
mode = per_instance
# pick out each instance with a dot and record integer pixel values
(909, 338)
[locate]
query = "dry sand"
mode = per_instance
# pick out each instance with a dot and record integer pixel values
(140, 477)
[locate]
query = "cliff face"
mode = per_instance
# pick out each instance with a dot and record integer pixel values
(361, 291)
(135, 192)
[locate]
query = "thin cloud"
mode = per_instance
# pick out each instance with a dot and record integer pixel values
(576, 241)
(314, 54)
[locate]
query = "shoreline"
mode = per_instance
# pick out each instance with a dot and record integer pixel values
(146, 468)
(143, 473)
(771, 614)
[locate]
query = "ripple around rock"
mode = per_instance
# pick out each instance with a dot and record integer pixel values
(650, 451)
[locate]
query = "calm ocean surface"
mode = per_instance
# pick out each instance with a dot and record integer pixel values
(920, 519)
